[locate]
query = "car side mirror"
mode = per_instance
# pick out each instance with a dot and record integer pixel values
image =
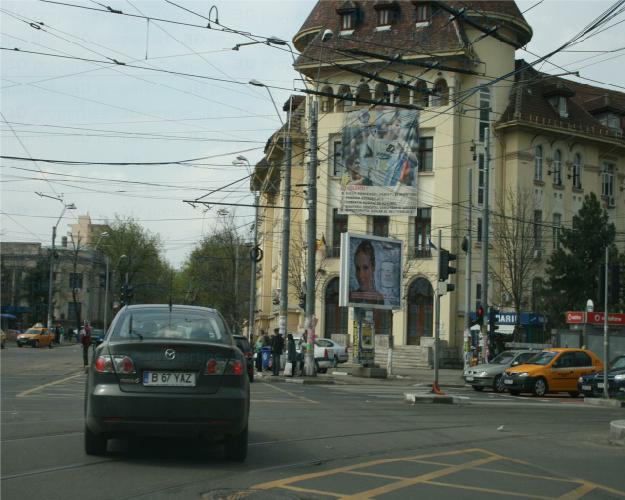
(515, 363)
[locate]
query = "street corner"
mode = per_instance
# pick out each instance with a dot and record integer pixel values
(468, 473)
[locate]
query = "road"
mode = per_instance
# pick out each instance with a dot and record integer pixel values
(332, 441)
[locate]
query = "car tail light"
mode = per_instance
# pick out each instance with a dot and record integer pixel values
(114, 364)
(234, 367)
(223, 367)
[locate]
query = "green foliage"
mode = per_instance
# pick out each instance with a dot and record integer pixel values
(573, 269)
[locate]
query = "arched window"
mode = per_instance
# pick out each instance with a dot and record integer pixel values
(341, 104)
(327, 103)
(401, 94)
(363, 92)
(420, 310)
(440, 93)
(538, 163)
(335, 316)
(381, 93)
(577, 171)
(421, 97)
(557, 168)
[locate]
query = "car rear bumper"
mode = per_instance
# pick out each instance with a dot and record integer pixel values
(115, 413)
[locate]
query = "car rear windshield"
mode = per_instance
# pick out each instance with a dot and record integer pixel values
(174, 324)
(242, 343)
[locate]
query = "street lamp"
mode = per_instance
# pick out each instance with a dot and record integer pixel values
(68, 206)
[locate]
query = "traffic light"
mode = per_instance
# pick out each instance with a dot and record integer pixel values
(444, 269)
(122, 296)
(493, 325)
(479, 316)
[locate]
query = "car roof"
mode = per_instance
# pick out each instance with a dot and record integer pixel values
(166, 306)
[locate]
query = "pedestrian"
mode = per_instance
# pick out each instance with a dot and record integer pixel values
(86, 343)
(57, 334)
(258, 348)
(277, 347)
(301, 350)
(291, 355)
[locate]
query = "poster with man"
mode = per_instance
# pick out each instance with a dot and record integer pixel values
(380, 152)
(370, 272)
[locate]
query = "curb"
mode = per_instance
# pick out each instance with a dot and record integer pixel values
(611, 403)
(423, 397)
(309, 381)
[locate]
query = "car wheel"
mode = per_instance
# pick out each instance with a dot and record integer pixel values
(36, 344)
(235, 447)
(50, 345)
(540, 387)
(515, 393)
(95, 444)
(477, 388)
(574, 394)
(498, 385)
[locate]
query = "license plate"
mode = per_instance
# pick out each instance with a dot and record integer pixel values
(600, 385)
(169, 379)
(586, 388)
(469, 379)
(508, 381)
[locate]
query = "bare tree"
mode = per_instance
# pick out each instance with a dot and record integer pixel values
(514, 243)
(298, 262)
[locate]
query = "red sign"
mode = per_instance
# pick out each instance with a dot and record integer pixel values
(595, 318)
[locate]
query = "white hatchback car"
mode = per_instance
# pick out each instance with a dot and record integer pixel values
(340, 351)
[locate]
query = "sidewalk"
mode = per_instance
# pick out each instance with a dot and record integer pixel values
(342, 375)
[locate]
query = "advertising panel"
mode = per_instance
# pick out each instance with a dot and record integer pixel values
(380, 151)
(370, 272)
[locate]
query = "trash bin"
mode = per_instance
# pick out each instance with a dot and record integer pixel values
(266, 357)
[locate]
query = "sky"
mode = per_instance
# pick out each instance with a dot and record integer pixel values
(74, 101)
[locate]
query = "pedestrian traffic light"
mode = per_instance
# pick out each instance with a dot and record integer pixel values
(444, 269)
(493, 324)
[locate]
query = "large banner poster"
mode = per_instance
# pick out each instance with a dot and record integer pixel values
(370, 272)
(380, 151)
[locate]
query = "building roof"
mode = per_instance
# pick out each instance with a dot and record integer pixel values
(529, 102)
(438, 37)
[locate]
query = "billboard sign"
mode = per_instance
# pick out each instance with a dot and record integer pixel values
(594, 318)
(370, 272)
(380, 152)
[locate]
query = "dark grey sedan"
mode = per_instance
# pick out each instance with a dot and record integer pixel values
(490, 374)
(168, 371)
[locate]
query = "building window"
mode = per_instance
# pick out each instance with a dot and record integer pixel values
(538, 163)
(380, 225)
(348, 21)
(363, 93)
(538, 230)
(480, 178)
(426, 154)
(607, 180)
(75, 280)
(557, 222)
(337, 158)
(479, 230)
(422, 232)
(484, 105)
(577, 172)
(345, 95)
(559, 103)
(385, 16)
(611, 120)
(557, 168)
(381, 93)
(339, 226)
(420, 311)
(421, 97)
(327, 102)
(401, 94)
(422, 12)
(440, 93)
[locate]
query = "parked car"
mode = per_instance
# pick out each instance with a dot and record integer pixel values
(164, 370)
(552, 370)
(491, 374)
(244, 345)
(324, 355)
(592, 385)
(3, 339)
(36, 336)
(340, 351)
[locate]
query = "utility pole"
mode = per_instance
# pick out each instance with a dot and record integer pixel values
(605, 327)
(467, 278)
(286, 230)
(253, 258)
(309, 362)
(485, 231)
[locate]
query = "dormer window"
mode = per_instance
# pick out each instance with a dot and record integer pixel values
(610, 120)
(384, 17)
(348, 11)
(559, 103)
(386, 12)
(348, 21)
(423, 12)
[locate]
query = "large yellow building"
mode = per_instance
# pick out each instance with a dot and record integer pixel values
(551, 142)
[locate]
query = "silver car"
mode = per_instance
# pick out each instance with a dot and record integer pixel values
(490, 374)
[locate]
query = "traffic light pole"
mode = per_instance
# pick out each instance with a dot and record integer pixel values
(467, 278)
(437, 319)
(485, 231)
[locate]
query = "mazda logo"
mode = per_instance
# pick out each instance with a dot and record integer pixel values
(170, 354)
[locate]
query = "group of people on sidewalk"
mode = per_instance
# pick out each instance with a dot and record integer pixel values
(276, 345)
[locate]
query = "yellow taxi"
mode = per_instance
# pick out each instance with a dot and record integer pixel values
(36, 336)
(552, 370)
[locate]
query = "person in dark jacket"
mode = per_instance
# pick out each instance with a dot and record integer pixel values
(86, 343)
(277, 347)
(291, 353)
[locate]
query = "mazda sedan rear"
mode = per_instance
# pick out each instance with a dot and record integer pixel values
(168, 371)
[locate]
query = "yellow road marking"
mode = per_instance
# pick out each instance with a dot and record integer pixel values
(318, 492)
(423, 478)
(273, 386)
(375, 474)
(488, 490)
(578, 492)
(56, 382)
